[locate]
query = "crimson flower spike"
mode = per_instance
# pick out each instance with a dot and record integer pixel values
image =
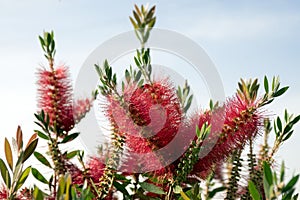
(55, 93)
(233, 125)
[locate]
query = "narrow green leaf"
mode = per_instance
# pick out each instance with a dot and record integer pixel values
(5, 174)
(295, 120)
(135, 26)
(288, 135)
(8, 153)
(253, 191)
(68, 185)
(279, 124)
(38, 176)
(41, 135)
(138, 76)
(281, 91)
(282, 172)
(29, 150)
(137, 62)
(188, 104)
(23, 177)
(286, 115)
(266, 84)
(70, 137)
(287, 128)
(42, 159)
(38, 194)
(290, 184)
(72, 154)
(120, 187)
(137, 18)
(151, 188)
(268, 174)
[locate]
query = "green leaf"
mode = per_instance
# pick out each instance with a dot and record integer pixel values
(137, 18)
(41, 135)
(281, 91)
(120, 187)
(138, 76)
(287, 128)
(72, 154)
(287, 136)
(266, 84)
(23, 177)
(151, 188)
(290, 184)
(8, 153)
(4, 173)
(29, 149)
(268, 174)
(135, 26)
(137, 62)
(295, 120)
(38, 194)
(70, 137)
(42, 159)
(279, 124)
(38, 175)
(253, 191)
(282, 172)
(188, 104)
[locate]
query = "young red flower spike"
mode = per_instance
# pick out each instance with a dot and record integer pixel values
(55, 96)
(95, 168)
(232, 126)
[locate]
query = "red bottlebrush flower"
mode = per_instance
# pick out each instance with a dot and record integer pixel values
(149, 118)
(156, 109)
(95, 168)
(55, 96)
(232, 126)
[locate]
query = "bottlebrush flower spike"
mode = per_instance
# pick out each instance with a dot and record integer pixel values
(95, 168)
(55, 96)
(149, 119)
(155, 107)
(232, 126)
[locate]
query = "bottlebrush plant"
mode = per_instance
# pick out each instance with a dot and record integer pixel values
(214, 141)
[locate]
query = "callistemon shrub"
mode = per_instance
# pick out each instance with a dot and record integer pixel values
(149, 118)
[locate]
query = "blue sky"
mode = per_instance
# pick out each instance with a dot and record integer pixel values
(243, 39)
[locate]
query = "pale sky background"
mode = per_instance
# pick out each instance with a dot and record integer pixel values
(243, 39)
